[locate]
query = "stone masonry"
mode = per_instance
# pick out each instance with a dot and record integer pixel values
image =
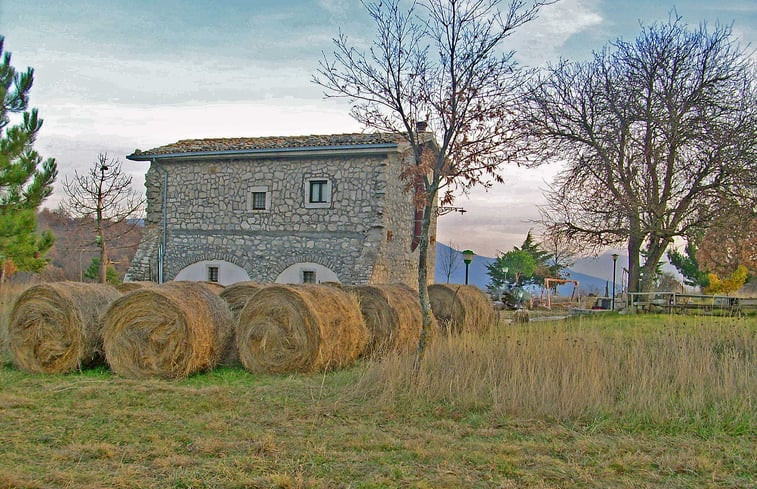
(363, 233)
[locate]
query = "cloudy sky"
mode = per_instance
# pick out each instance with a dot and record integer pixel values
(116, 75)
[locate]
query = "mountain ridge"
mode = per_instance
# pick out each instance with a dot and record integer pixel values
(477, 272)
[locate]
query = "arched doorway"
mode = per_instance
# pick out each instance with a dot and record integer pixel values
(221, 271)
(306, 272)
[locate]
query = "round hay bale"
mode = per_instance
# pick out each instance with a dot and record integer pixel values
(237, 295)
(131, 286)
(393, 316)
(214, 287)
(56, 327)
(170, 331)
(460, 308)
(302, 328)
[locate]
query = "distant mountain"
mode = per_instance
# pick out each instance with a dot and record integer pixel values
(478, 276)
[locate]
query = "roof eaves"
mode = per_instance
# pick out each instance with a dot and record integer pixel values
(360, 148)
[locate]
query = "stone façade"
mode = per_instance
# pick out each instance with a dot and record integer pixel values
(199, 203)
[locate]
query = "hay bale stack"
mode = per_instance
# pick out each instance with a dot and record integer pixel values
(302, 328)
(461, 308)
(393, 316)
(56, 327)
(170, 331)
(127, 287)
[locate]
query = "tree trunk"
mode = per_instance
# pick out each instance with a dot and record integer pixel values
(656, 250)
(635, 241)
(103, 260)
(423, 280)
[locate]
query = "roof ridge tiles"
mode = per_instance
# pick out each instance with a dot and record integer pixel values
(205, 145)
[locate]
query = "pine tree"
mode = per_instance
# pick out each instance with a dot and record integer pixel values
(546, 265)
(688, 266)
(25, 179)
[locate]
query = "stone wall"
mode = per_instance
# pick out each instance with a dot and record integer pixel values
(363, 235)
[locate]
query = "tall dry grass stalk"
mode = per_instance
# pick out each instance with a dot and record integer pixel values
(683, 367)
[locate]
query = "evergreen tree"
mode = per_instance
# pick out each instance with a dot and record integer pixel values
(520, 266)
(546, 265)
(688, 266)
(93, 272)
(25, 179)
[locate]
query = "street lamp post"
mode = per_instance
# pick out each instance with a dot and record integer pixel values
(504, 273)
(614, 266)
(467, 258)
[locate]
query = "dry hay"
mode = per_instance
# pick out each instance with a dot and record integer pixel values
(393, 316)
(461, 308)
(170, 331)
(56, 327)
(131, 286)
(302, 328)
(237, 295)
(214, 287)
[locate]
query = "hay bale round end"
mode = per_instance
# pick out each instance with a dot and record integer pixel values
(303, 328)
(460, 308)
(170, 331)
(56, 327)
(392, 313)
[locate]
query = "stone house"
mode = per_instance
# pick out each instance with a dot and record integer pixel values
(327, 208)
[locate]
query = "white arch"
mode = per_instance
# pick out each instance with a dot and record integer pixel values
(228, 273)
(296, 273)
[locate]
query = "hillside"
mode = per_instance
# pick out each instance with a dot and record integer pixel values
(75, 245)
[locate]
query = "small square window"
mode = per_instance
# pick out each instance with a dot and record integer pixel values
(258, 198)
(212, 274)
(308, 277)
(318, 191)
(258, 201)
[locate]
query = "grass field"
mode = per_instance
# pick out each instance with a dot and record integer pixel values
(643, 401)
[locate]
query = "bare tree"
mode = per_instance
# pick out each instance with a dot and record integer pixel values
(562, 250)
(656, 133)
(436, 75)
(103, 194)
(450, 259)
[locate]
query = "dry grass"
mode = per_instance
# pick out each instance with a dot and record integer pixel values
(674, 371)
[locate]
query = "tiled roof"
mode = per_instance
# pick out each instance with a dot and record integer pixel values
(272, 143)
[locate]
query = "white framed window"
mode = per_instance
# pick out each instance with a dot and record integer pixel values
(213, 273)
(317, 193)
(309, 277)
(258, 198)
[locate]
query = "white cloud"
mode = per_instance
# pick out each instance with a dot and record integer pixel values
(336, 7)
(542, 39)
(498, 219)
